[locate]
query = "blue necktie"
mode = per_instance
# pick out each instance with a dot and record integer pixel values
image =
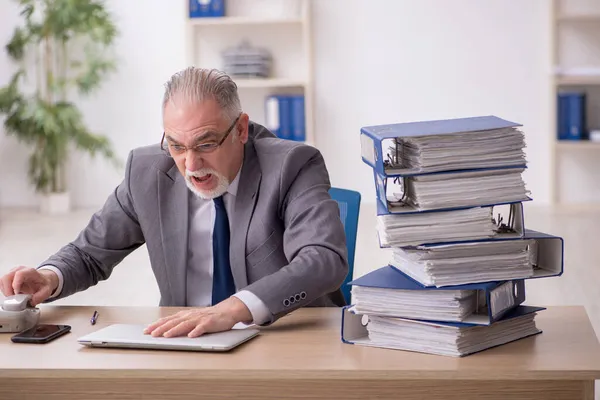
(223, 285)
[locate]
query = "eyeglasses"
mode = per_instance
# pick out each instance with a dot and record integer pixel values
(205, 147)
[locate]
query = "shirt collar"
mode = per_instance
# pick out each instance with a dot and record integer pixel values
(233, 186)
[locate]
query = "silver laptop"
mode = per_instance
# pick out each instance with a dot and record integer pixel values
(133, 337)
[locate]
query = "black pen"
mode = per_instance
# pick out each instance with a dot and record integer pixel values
(94, 318)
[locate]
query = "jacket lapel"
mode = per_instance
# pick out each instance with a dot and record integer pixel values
(244, 207)
(173, 215)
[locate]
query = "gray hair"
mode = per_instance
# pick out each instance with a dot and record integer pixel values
(197, 84)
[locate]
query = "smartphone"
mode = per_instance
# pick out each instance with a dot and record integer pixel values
(42, 333)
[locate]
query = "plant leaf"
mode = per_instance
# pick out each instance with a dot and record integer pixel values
(86, 29)
(16, 46)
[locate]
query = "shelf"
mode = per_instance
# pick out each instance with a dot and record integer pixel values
(269, 83)
(577, 145)
(213, 21)
(577, 80)
(283, 28)
(575, 65)
(579, 18)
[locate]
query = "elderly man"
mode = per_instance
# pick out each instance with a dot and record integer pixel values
(239, 224)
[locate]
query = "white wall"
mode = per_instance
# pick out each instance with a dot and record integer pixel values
(376, 62)
(14, 188)
(414, 60)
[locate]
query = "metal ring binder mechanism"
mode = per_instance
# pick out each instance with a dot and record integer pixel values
(450, 199)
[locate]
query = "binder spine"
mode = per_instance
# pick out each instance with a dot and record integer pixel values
(278, 116)
(372, 152)
(381, 189)
(506, 297)
(571, 116)
(298, 119)
(547, 254)
(286, 117)
(353, 326)
(206, 8)
(368, 151)
(272, 120)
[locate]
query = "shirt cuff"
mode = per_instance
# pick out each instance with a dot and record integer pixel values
(258, 309)
(60, 279)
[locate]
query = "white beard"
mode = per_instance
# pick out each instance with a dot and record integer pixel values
(220, 189)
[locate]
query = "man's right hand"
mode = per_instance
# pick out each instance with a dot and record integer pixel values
(40, 284)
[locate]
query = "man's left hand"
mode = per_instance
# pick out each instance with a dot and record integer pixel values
(197, 321)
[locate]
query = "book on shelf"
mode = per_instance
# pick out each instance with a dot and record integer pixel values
(206, 8)
(572, 118)
(285, 116)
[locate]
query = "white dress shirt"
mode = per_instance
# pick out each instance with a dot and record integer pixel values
(200, 261)
(200, 257)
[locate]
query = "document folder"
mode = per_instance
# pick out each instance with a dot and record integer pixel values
(494, 222)
(535, 255)
(387, 206)
(482, 303)
(449, 191)
(372, 139)
(547, 254)
(440, 338)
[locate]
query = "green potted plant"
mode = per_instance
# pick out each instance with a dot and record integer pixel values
(61, 49)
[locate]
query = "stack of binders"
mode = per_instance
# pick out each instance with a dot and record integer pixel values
(449, 205)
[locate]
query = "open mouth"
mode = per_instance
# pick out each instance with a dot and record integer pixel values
(201, 179)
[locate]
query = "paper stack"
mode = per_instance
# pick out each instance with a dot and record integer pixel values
(451, 339)
(429, 192)
(453, 145)
(414, 229)
(388, 292)
(462, 263)
(455, 284)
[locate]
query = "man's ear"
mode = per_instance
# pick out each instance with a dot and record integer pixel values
(242, 128)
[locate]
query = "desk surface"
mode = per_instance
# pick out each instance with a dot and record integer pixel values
(303, 345)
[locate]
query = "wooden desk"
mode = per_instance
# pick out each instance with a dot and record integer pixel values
(301, 356)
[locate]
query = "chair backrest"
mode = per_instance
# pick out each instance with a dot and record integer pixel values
(349, 204)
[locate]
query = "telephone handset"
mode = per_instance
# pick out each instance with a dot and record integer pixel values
(16, 314)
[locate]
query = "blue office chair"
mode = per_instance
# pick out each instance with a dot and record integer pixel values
(349, 204)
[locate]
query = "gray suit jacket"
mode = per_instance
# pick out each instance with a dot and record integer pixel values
(287, 241)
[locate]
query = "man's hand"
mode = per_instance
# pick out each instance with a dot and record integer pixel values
(197, 321)
(38, 283)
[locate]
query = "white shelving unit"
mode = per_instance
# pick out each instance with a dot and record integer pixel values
(244, 20)
(283, 27)
(575, 165)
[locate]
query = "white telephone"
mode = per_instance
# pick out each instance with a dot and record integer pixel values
(17, 315)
